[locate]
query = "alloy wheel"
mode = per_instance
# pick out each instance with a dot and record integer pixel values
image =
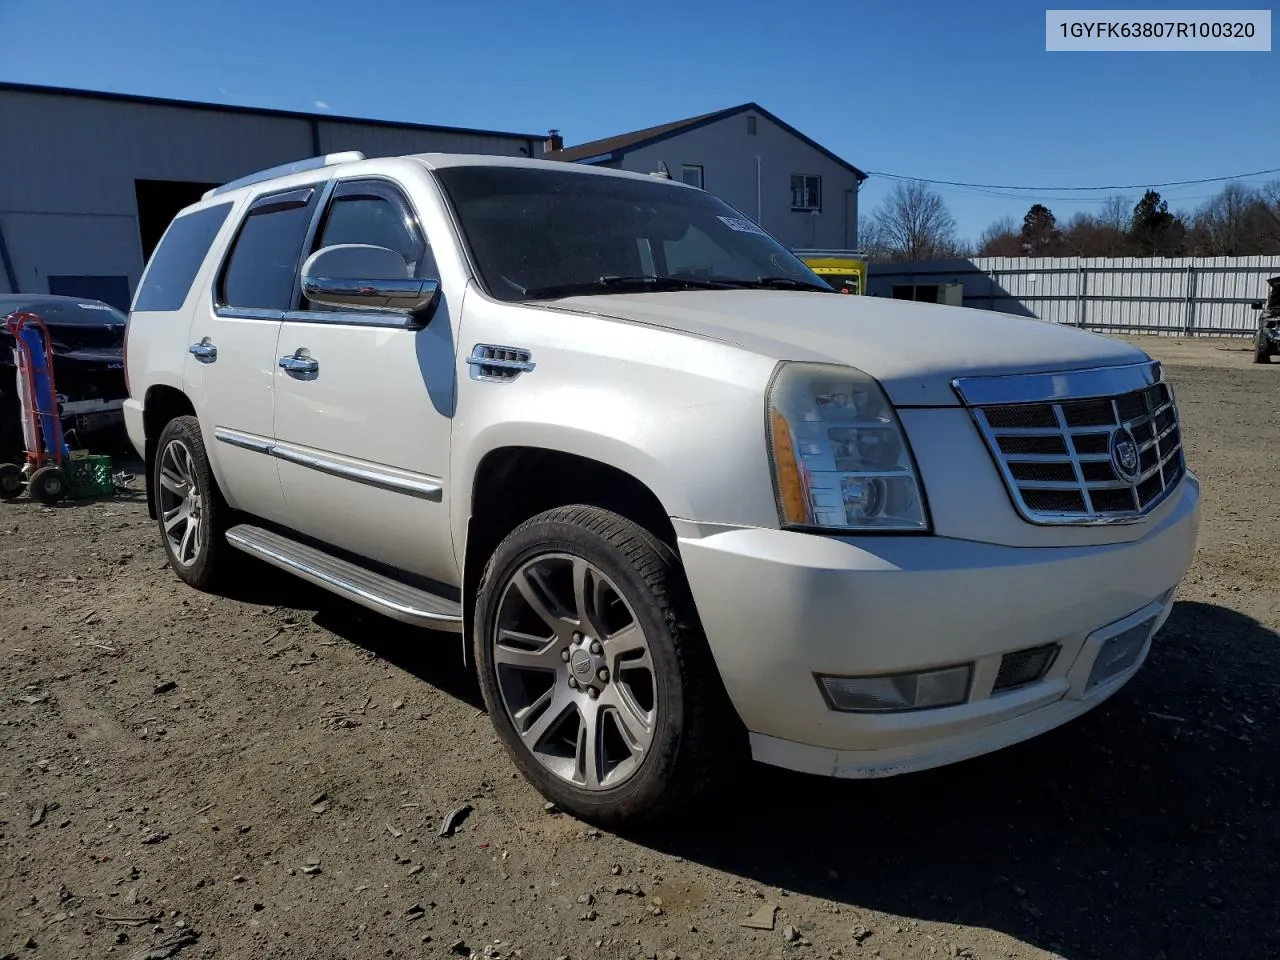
(181, 506)
(575, 671)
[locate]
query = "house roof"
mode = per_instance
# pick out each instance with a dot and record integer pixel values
(257, 111)
(623, 143)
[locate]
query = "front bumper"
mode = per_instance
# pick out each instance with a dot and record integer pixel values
(779, 607)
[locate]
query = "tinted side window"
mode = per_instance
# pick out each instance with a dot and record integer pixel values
(264, 261)
(177, 260)
(371, 211)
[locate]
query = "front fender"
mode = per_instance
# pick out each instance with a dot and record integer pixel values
(682, 415)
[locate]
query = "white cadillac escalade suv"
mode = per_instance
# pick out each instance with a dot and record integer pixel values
(675, 494)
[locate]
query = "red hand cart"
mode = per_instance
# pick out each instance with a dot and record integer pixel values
(43, 473)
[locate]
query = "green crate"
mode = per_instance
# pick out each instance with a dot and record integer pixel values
(89, 477)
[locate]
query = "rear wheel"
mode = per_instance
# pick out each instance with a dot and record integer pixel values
(190, 510)
(48, 484)
(1261, 348)
(10, 481)
(593, 667)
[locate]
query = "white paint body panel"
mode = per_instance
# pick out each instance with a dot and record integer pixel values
(913, 349)
(780, 607)
(235, 393)
(385, 399)
(670, 388)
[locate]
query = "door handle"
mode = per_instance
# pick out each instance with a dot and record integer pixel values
(300, 363)
(204, 351)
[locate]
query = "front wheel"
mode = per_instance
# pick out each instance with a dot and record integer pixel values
(189, 508)
(594, 669)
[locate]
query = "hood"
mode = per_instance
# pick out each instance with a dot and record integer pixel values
(913, 349)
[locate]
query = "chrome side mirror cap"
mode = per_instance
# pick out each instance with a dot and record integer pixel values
(364, 277)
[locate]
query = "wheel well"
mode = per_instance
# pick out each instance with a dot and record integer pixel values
(160, 405)
(513, 484)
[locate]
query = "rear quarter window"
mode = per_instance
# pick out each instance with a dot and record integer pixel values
(177, 260)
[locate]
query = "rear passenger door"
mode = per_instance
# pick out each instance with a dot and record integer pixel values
(362, 438)
(231, 363)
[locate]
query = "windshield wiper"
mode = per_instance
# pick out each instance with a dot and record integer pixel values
(784, 283)
(619, 284)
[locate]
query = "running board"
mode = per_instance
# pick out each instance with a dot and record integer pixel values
(358, 584)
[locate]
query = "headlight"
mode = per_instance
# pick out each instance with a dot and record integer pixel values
(840, 459)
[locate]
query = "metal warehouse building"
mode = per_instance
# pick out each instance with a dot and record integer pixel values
(89, 181)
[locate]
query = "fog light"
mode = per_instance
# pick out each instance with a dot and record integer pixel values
(900, 691)
(1025, 666)
(1119, 653)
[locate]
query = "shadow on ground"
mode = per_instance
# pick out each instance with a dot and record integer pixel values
(434, 658)
(1148, 827)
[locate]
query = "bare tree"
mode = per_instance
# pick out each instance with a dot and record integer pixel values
(1222, 225)
(871, 239)
(1269, 216)
(1000, 239)
(915, 224)
(1090, 236)
(1116, 213)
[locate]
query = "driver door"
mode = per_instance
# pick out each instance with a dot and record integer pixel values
(362, 423)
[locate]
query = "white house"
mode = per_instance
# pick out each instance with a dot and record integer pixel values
(794, 187)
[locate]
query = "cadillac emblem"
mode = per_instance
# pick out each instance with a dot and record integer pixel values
(1124, 455)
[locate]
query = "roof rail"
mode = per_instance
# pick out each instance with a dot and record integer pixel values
(298, 166)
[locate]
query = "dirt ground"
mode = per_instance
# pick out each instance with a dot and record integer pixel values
(265, 776)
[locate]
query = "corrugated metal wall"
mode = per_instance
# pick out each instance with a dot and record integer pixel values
(1183, 296)
(68, 166)
(379, 141)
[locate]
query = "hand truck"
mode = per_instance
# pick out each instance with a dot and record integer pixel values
(42, 473)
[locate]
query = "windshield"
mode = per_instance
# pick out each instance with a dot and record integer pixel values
(538, 233)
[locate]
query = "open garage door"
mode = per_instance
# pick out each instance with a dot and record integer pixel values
(158, 203)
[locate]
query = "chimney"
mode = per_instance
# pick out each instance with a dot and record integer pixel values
(553, 142)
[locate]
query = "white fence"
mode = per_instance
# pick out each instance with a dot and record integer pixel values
(1184, 296)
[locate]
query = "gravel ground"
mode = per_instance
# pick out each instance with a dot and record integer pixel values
(265, 775)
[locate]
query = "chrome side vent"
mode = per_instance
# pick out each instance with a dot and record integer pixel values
(491, 362)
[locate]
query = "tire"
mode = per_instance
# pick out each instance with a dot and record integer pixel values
(1261, 349)
(632, 580)
(10, 481)
(48, 484)
(190, 530)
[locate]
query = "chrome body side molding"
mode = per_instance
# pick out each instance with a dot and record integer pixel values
(372, 474)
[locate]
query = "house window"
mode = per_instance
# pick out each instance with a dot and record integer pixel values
(691, 173)
(751, 125)
(806, 192)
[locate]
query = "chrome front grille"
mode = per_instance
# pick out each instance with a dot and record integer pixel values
(1084, 447)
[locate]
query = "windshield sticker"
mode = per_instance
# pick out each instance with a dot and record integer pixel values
(741, 225)
(93, 306)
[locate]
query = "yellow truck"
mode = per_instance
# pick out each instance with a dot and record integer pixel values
(845, 270)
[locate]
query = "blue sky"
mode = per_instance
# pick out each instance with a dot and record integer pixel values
(943, 90)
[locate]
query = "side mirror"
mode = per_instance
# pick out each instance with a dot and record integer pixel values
(361, 276)
(1256, 305)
